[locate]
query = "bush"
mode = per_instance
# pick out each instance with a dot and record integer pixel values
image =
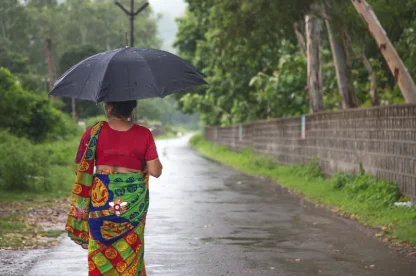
(32, 82)
(40, 167)
(340, 180)
(309, 170)
(196, 139)
(30, 115)
(61, 153)
(93, 120)
(367, 188)
(361, 187)
(23, 166)
(261, 160)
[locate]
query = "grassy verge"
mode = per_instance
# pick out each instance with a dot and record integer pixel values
(165, 136)
(360, 197)
(32, 214)
(172, 132)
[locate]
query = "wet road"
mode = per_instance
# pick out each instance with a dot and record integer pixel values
(209, 220)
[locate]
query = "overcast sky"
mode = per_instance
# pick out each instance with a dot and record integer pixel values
(170, 9)
(175, 8)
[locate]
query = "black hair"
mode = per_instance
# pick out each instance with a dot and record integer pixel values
(122, 109)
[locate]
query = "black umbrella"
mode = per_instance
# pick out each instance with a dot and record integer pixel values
(127, 74)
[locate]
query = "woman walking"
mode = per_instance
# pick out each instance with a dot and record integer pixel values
(108, 208)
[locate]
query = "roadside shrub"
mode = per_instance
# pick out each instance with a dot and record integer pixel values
(61, 153)
(40, 167)
(363, 187)
(259, 160)
(33, 82)
(196, 139)
(309, 170)
(340, 180)
(93, 120)
(30, 115)
(23, 166)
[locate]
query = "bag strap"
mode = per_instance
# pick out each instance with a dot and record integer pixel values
(89, 152)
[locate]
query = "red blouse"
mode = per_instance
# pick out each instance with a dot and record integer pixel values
(130, 149)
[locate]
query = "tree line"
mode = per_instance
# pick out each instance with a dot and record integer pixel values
(41, 39)
(266, 59)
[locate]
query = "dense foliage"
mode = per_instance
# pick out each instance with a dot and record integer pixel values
(26, 25)
(31, 129)
(27, 114)
(250, 53)
(77, 29)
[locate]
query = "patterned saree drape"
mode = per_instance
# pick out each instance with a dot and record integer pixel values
(108, 213)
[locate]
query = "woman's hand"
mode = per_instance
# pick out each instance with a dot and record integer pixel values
(85, 246)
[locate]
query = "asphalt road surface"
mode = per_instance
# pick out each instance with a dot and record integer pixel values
(206, 219)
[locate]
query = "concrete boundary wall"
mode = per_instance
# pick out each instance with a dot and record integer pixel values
(382, 139)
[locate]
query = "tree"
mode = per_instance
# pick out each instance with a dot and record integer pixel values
(232, 46)
(14, 26)
(313, 47)
(26, 25)
(397, 67)
(340, 52)
(13, 61)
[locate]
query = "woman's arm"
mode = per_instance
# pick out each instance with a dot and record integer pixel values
(154, 167)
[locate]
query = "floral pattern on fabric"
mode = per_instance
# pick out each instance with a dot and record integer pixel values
(108, 213)
(77, 222)
(116, 244)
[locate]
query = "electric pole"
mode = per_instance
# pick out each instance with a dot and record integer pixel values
(132, 14)
(50, 62)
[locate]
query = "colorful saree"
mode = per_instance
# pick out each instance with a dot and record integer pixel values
(108, 213)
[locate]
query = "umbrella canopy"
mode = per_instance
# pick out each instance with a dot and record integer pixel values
(127, 74)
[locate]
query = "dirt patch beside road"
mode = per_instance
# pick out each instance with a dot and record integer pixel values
(27, 230)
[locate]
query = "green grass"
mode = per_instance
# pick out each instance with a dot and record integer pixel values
(10, 224)
(165, 136)
(172, 132)
(53, 233)
(360, 197)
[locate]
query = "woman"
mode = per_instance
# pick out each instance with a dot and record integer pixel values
(108, 208)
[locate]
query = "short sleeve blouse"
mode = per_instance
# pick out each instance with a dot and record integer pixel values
(130, 149)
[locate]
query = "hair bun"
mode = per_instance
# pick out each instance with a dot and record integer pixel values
(123, 109)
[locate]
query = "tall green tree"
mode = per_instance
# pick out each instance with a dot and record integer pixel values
(247, 50)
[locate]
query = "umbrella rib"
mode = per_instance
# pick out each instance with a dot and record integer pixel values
(153, 78)
(106, 68)
(86, 80)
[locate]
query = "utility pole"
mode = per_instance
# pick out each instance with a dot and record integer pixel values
(132, 14)
(50, 62)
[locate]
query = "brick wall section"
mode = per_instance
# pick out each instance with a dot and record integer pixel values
(383, 139)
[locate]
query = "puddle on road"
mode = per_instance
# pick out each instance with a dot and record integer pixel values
(245, 241)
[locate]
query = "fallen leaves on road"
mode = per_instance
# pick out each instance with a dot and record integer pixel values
(32, 224)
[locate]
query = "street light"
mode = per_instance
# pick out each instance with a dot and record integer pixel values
(132, 14)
